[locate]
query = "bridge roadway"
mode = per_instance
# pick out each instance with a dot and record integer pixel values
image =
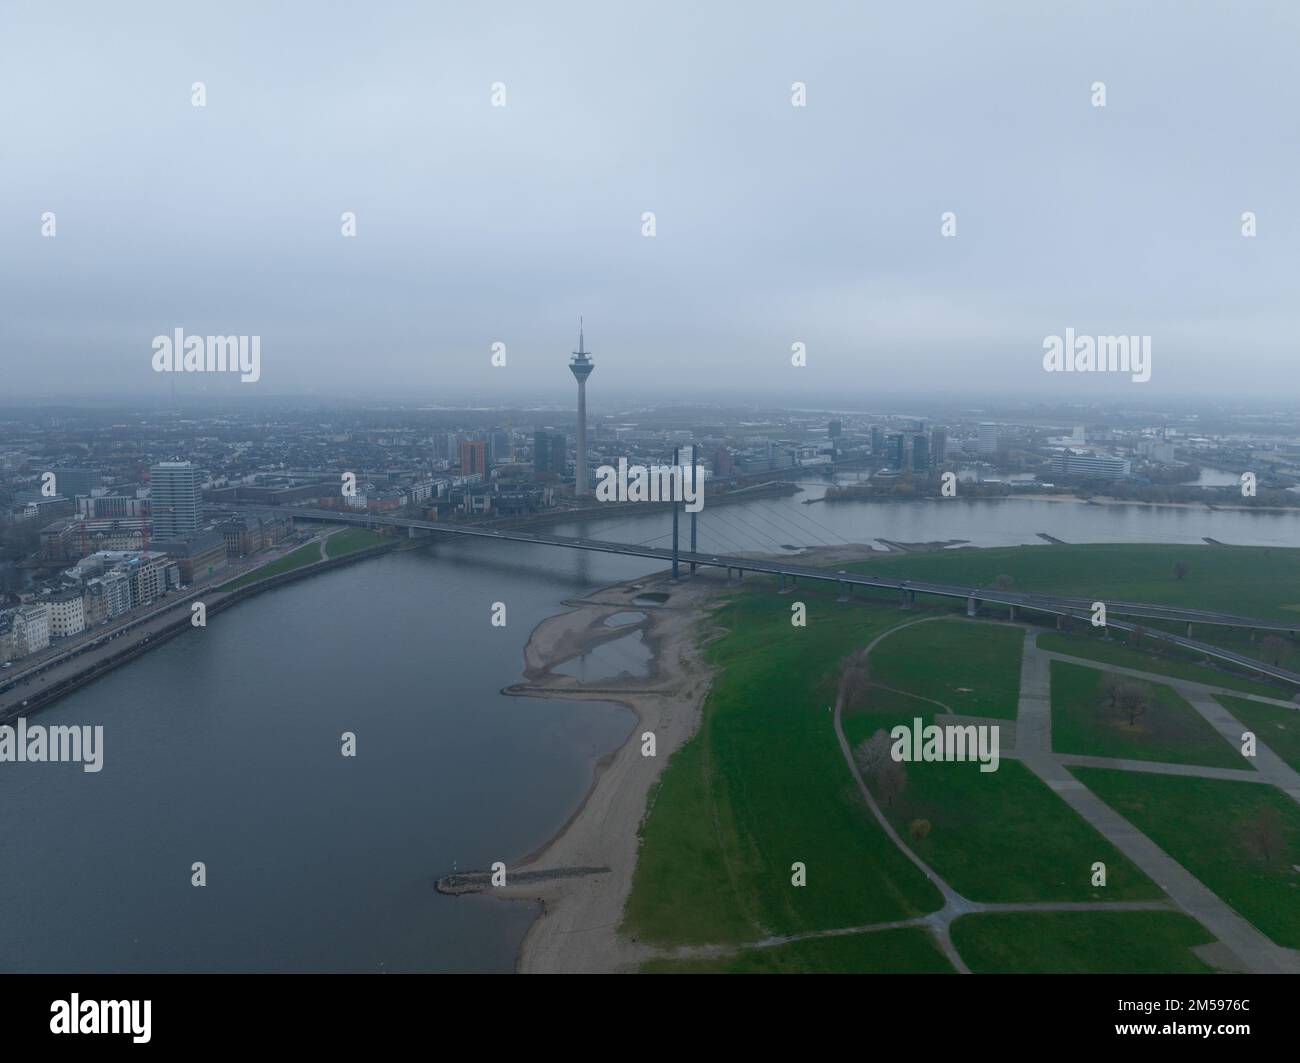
(1057, 605)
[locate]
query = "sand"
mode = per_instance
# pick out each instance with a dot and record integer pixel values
(578, 928)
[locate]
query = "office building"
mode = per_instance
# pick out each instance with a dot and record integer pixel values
(175, 500)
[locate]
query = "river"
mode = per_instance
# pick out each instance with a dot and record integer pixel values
(223, 746)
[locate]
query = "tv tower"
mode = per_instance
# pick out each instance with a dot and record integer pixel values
(581, 367)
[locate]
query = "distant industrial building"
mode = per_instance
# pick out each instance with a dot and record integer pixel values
(988, 439)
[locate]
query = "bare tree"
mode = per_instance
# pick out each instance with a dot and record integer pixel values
(1108, 688)
(872, 753)
(891, 780)
(855, 677)
(1273, 649)
(1181, 569)
(1263, 834)
(1137, 636)
(1134, 698)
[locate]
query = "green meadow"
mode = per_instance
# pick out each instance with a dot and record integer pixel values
(905, 950)
(763, 785)
(1170, 731)
(1241, 839)
(1088, 942)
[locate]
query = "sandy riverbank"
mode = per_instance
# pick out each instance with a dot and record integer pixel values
(578, 927)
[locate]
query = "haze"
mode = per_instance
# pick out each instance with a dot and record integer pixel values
(775, 224)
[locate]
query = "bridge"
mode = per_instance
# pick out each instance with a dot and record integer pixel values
(789, 574)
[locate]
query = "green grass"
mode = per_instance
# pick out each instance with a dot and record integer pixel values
(1256, 581)
(1094, 649)
(1001, 835)
(1170, 731)
(350, 540)
(763, 784)
(304, 555)
(1207, 826)
(1080, 943)
(906, 950)
(973, 668)
(1274, 726)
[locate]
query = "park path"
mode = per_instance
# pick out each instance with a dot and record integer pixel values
(1255, 951)
(955, 905)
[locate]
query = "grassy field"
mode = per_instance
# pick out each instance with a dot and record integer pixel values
(1094, 649)
(350, 540)
(1245, 580)
(1214, 829)
(1001, 835)
(304, 555)
(762, 785)
(1080, 943)
(906, 950)
(1274, 726)
(972, 668)
(1170, 731)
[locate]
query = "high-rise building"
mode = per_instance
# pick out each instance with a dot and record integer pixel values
(938, 445)
(498, 446)
(175, 501)
(473, 457)
(895, 447)
(877, 442)
(581, 367)
(550, 452)
(920, 453)
(988, 438)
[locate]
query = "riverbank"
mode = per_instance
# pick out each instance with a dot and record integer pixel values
(581, 911)
(105, 652)
(582, 876)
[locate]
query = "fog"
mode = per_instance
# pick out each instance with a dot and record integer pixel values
(775, 224)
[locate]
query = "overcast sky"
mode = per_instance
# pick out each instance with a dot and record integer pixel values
(775, 224)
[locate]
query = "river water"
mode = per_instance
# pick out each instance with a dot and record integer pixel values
(223, 746)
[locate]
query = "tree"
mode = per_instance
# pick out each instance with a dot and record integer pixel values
(1109, 689)
(1262, 834)
(1136, 637)
(872, 753)
(1273, 649)
(1180, 570)
(891, 780)
(855, 677)
(1003, 582)
(919, 828)
(1134, 699)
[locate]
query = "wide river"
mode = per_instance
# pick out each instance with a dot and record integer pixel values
(223, 746)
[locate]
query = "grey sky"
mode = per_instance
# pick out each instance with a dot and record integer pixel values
(775, 224)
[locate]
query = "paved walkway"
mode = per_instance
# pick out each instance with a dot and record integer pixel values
(1255, 951)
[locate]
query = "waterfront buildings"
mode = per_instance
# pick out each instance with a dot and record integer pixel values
(1090, 467)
